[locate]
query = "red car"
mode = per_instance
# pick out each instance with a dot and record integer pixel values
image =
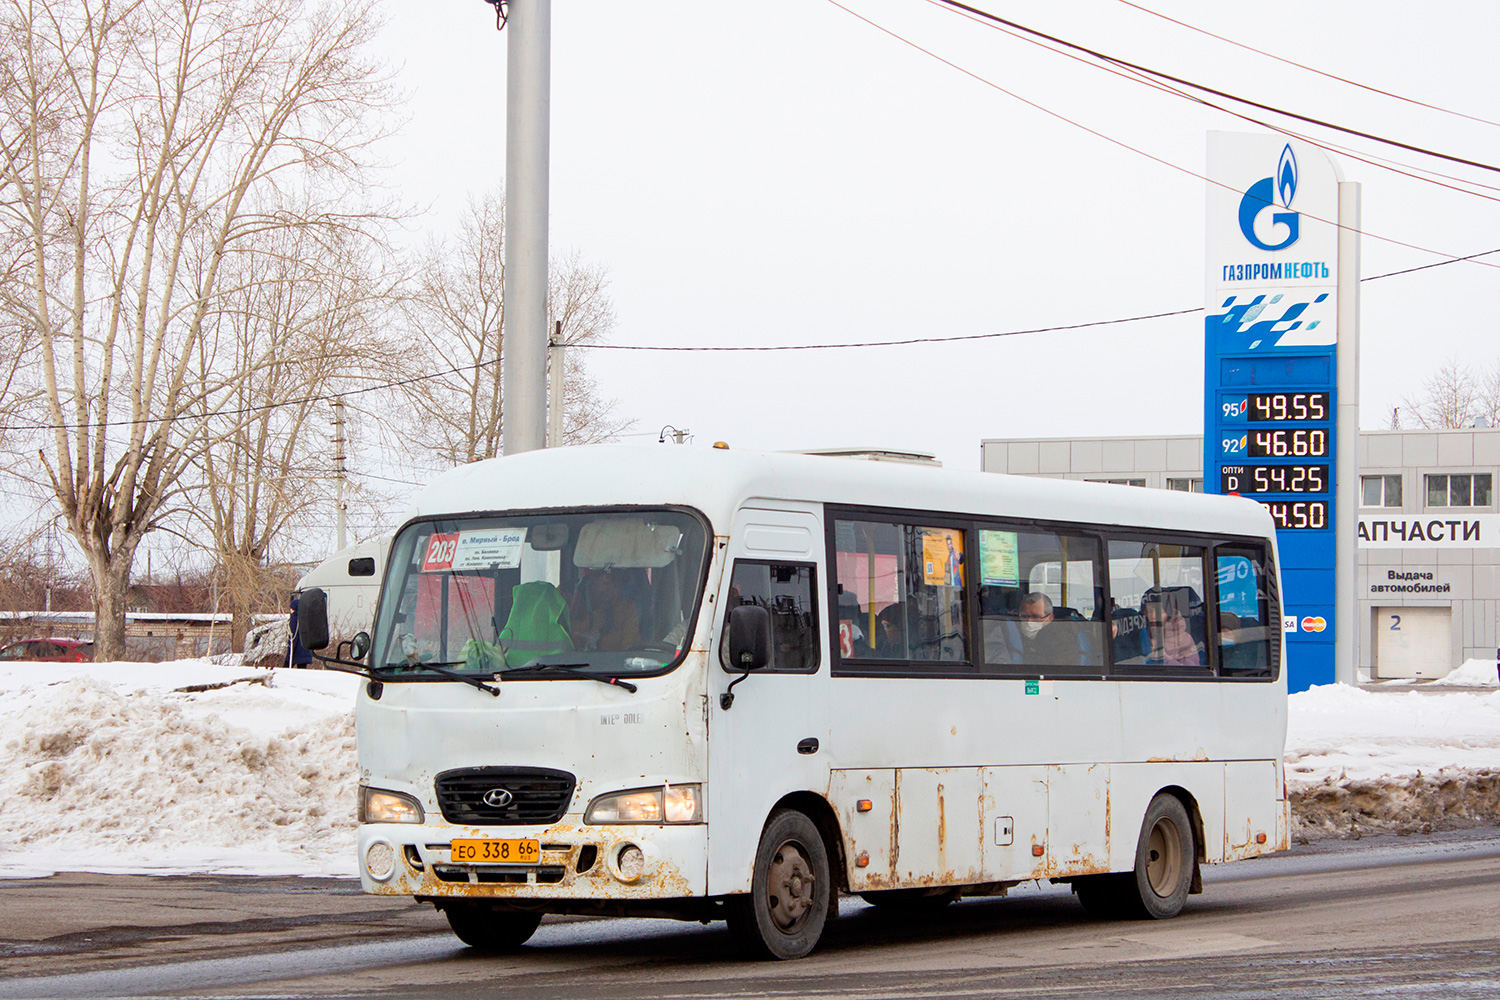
(55, 650)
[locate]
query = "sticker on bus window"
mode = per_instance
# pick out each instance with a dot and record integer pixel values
(846, 637)
(999, 559)
(492, 548)
(942, 557)
(439, 558)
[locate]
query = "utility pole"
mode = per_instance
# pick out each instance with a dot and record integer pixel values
(339, 440)
(555, 394)
(528, 82)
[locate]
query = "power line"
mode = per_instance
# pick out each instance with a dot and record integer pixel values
(1423, 174)
(1425, 267)
(1310, 69)
(906, 342)
(957, 5)
(974, 336)
(891, 343)
(1119, 142)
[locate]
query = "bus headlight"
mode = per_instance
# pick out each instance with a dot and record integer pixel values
(376, 805)
(665, 804)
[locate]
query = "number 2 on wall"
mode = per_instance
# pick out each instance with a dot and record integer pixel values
(1395, 623)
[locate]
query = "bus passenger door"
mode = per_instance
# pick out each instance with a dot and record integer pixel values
(770, 741)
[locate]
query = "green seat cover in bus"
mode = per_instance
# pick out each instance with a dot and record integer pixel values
(538, 623)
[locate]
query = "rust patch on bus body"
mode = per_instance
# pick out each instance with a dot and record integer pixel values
(1198, 756)
(1108, 819)
(1236, 851)
(943, 821)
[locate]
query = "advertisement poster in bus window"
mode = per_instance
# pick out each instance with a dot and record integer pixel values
(942, 557)
(999, 559)
(1237, 587)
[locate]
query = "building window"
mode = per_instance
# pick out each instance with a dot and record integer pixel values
(1459, 490)
(1185, 485)
(1118, 482)
(1380, 491)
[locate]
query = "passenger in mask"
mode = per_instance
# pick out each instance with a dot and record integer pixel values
(1042, 642)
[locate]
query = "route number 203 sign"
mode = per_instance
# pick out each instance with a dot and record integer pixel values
(440, 551)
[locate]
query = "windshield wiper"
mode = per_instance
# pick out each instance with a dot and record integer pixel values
(455, 675)
(538, 667)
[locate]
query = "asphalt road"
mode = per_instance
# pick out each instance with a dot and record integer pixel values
(1409, 917)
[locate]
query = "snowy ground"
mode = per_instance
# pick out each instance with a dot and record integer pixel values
(195, 767)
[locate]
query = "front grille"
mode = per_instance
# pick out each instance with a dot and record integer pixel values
(545, 875)
(537, 795)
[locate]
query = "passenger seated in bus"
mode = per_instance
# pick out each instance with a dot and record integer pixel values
(536, 626)
(1044, 640)
(1170, 638)
(603, 617)
(890, 632)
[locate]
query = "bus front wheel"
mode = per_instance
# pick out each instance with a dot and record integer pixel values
(485, 928)
(1158, 886)
(783, 915)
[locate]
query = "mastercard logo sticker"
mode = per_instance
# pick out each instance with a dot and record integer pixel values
(1313, 624)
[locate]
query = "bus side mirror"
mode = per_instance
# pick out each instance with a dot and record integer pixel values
(312, 619)
(749, 637)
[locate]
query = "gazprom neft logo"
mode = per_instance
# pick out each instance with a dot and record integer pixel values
(1268, 193)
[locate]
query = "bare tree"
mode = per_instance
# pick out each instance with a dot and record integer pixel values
(1487, 404)
(456, 311)
(141, 142)
(1450, 397)
(300, 324)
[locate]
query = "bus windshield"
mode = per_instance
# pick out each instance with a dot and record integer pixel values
(606, 590)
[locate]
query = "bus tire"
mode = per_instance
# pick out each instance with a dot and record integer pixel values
(485, 928)
(791, 888)
(1163, 861)
(913, 899)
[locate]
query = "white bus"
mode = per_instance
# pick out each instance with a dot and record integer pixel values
(710, 684)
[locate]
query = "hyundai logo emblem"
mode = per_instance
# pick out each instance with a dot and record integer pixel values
(498, 798)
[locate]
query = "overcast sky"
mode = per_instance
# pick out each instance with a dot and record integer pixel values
(785, 173)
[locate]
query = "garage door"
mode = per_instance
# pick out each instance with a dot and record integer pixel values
(1413, 642)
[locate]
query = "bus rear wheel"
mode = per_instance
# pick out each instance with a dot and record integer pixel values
(1158, 886)
(784, 914)
(485, 928)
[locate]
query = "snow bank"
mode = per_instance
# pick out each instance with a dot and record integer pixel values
(176, 767)
(1474, 673)
(197, 767)
(1360, 761)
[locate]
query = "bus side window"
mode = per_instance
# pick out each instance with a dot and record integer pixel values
(1245, 633)
(901, 592)
(1159, 619)
(786, 591)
